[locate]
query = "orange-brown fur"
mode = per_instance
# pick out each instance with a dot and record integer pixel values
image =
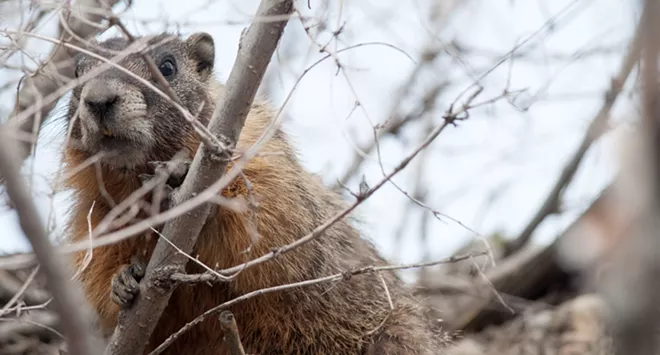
(332, 318)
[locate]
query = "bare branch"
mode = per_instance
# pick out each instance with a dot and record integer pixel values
(596, 128)
(207, 277)
(68, 299)
(40, 323)
(212, 276)
(449, 119)
(255, 51)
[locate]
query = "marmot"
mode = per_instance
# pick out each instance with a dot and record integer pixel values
(116, 114)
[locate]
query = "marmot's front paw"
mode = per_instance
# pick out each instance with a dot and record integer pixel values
(179, 170)
(126, 284)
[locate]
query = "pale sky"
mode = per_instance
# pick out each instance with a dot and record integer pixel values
(499, 153)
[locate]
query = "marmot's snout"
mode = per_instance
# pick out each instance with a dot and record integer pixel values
(112, 109)
(113, 119)
(101, 102)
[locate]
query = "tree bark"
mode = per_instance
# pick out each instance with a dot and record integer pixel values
(256, 48)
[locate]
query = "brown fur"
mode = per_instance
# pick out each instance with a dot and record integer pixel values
(334, 318)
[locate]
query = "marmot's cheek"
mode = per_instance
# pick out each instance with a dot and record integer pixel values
(140, 132)
(131, 121)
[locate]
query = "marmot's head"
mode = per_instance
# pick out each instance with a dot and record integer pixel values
(118, 115)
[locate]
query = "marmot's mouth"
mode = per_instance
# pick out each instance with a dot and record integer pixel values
(107, 133)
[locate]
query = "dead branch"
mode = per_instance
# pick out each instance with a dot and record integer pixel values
(449, 119)
(12, 291)
(255, 51)
(60, 65)
(228, 324)
(395, 124)
(338, 277)
(596, 128)
(68, 299)
(212, 276)
(40, 323)
(18, 293)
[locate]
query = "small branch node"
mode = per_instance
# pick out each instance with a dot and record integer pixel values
(228, 323)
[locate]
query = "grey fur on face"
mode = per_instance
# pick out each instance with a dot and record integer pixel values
(113, 119)
(127, 120)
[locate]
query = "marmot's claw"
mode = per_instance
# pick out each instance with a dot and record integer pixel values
(179, 170)
(126, 284)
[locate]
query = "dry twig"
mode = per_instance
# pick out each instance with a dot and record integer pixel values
(338, 277)
(594, 131)
(68, 299)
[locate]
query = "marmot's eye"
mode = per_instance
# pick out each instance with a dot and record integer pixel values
(76, 72)
(167, 67)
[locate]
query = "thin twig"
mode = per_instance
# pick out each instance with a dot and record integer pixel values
(210, 194)
(389, 301)
(20, 292)
(594, 131)
(449, 119)
(331, 278)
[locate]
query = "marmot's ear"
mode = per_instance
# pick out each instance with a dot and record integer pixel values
(202, 50)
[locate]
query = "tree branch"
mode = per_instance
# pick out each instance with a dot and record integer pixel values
(255, 51)
(338, 277)
(594, 131)
(68, 299)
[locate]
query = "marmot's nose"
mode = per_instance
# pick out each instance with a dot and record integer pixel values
(100, 100)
